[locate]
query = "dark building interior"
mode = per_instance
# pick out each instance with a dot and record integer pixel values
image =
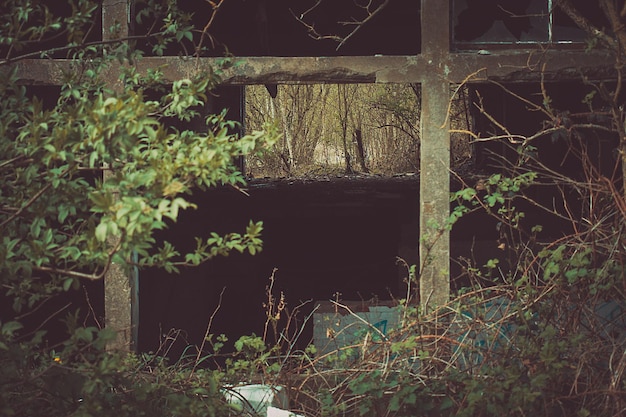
(327, 237)
(498, 23)
(283, 28)
(333, 238)
(478, 235)
(340, 236)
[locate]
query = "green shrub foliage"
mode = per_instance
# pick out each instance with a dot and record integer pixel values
(88, 175)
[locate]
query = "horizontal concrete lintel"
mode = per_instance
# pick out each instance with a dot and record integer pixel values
(259, 70)
(528, 65)
(43, 71)
(515, 65)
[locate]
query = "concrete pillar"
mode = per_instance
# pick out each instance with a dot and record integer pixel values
(434, 246)
(121, 298)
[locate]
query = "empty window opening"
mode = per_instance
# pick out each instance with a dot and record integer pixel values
(557, 130)
(505, 22)
(349, 129)
(288, 28)
(337, 129)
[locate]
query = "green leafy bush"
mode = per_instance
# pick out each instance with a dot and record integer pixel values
(88, 177)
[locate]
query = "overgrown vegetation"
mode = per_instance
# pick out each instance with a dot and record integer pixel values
(88, 177)
(539, 330)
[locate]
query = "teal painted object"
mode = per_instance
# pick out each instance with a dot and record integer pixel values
(490, 329)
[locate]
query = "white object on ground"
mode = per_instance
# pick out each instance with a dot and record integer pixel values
(277, 412)
(256, 398)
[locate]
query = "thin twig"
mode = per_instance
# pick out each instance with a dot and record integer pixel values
(207, 332)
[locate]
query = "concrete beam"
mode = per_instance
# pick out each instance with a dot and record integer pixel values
(527, 65)
(515, 65)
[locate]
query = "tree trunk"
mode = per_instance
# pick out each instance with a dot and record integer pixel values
(358, 140)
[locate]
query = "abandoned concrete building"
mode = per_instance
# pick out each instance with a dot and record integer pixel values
(337, 235)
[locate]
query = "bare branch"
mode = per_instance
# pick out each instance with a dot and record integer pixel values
(72, 274)
(456, 91)
(357, 24)
(313, 33)
(584, 23)
(26, 205)
(207, 332)
(215, 7)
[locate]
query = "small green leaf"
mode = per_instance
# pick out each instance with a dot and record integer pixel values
(101, 232)
(11, 327)
(63, 213)
(492, 263)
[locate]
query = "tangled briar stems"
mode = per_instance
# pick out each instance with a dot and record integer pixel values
(489, 351)
(540, 331)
